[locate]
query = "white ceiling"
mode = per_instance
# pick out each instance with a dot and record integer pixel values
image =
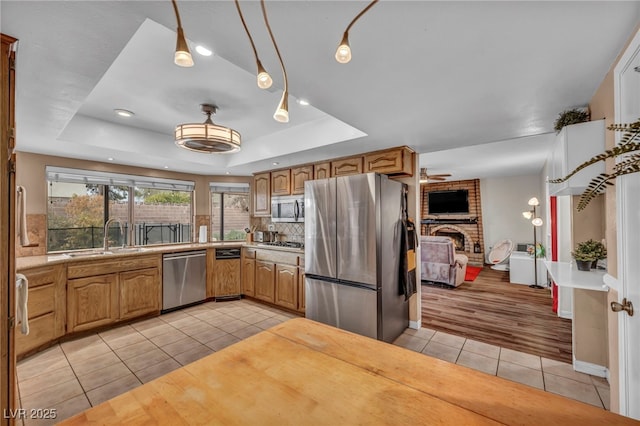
(469, 85)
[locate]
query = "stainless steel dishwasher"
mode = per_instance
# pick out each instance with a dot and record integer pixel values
(184, 279)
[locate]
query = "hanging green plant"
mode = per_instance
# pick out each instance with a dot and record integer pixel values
(570, 116)
(629, 148)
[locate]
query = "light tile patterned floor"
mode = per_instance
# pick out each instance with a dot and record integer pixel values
(81, 373)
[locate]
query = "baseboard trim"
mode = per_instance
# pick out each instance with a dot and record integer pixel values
(415, 324)
(589, 368)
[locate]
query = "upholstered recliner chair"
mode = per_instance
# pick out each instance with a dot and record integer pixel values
(439, 261)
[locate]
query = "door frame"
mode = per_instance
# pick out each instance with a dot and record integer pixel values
(626, 225)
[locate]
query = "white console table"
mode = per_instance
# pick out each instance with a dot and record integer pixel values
(521, 269)
(589, 315)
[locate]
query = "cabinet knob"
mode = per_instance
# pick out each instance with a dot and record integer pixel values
(626, 305)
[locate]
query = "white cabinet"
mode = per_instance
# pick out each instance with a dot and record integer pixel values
(521, 270)
(574, 145)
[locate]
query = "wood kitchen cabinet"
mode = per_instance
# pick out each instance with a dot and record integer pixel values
(139, 292)
(47, 307)
(281, 182)
(346, 166)
(299, 175)
(265, 281)
(286, 291)
(397, 161)
(322, 170)
(248, 272)
(301, 290)
(92, 302)
(227, 278)
(262, 194)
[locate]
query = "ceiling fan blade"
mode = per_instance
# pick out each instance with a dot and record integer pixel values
(436, 178)
(439, 175)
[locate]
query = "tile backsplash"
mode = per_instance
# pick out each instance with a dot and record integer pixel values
(286, 231)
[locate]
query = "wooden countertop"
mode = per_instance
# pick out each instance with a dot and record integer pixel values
(302, 372)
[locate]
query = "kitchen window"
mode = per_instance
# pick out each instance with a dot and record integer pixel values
(151, 210)
(229, 210)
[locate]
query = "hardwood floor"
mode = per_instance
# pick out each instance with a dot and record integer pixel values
(494, 311)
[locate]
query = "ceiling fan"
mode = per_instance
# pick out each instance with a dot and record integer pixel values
(426, 178)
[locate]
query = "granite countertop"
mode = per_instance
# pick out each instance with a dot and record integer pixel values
(96, 254)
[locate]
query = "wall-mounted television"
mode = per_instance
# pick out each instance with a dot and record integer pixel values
(448, 202)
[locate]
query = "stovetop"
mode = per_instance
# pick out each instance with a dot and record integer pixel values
(285, 244)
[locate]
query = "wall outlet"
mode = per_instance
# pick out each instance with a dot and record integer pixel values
(271, 227)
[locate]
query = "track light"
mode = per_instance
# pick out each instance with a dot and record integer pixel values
(343, 53)
(263, 79)
(183, 55)
(282, 112)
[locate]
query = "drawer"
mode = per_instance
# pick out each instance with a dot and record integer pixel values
(41, 331)
(277, 256)
(41, 300)
(40, 276)
(108, 266)
(249, 253)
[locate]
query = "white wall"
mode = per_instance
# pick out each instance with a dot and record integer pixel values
(503, 201)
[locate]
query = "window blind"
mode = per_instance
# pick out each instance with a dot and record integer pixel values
(237, 187)
(92, 177)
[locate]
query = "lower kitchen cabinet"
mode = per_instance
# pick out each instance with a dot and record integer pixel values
(248, 277)
(265, 281)
(226, 278)
(301, 300)
(139, 292)
(92, 302)
(286, 291)
(47, 307)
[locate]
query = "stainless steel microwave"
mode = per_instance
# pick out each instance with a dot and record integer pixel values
(289, 208)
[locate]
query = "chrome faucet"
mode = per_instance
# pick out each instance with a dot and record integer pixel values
(106, 232)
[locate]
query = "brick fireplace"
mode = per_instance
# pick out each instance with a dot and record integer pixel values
(464, 229)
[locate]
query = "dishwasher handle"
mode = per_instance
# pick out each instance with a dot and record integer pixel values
(184, 255)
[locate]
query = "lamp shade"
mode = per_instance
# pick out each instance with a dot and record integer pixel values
(282, 113)
(343, 53)
(537, 222)
(527, 215)
(534, 202)
(263, 78)
(207, 137)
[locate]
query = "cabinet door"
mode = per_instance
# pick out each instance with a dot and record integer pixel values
(139, 292)
(262, 194)
(92, 302)
(299, 176)
(281, 182)
(265, 281)
(248, 277)
(287, 286)
(347, 166)
(301, 302)
(322, 170)
(397, 161)
(227, 278)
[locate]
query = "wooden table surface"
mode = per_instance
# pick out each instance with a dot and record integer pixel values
(302, 372)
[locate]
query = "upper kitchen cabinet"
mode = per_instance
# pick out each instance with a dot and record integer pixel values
(346, 166)
(322, 170)
(262, 194)
(281, 182)
(299, 175)
(574, 145)
(396, 161)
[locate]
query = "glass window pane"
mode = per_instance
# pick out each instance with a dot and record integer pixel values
(119, 209)
(162, 216)
(236, 216)
(216, 216)
(75, 216)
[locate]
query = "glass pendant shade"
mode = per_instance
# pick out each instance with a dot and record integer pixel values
(282, 113)
(263, 78)
(343, 53)
(183, 55)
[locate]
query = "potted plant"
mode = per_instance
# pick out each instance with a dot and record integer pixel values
(587, 253)
(570, 116)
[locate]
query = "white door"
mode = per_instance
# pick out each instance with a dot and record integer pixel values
(627, 110)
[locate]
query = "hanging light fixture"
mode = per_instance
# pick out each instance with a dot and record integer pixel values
(343, 53)
(282, 112)
(207, 137)
(183, 55)
(262, 76)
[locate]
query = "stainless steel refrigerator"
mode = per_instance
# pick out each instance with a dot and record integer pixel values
(352, 255)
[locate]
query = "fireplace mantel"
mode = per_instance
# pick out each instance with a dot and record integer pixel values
(440, 221)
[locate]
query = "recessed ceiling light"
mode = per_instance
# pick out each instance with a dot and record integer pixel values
(166, 167)
(123, 112)
(226, 173)
(110, 158)
(275, 163)
(303, 102)
(203, 50)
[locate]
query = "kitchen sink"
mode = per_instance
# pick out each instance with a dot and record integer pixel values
(125, 250)
(95, 253)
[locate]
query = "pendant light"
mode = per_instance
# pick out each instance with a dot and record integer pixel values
(183, 55)
(282, 112)
(207, 137)
(343, 53)
(263, 78)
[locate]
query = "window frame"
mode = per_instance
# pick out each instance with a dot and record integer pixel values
(226, 188)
